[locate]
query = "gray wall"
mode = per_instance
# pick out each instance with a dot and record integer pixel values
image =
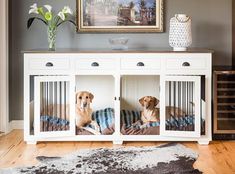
(212, 28)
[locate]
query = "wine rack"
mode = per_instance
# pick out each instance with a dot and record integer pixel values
(224, 102)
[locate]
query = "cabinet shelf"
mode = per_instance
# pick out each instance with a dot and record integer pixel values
(226, 118)
(225, 89)
(226, 82)
(226, 104)
(226, 96)
(225, 112)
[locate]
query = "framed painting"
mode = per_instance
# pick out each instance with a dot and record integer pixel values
(120, 15)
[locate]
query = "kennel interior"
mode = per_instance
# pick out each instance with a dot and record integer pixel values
(183, 104)
(50, 104)
(134, 87)
(103, 89)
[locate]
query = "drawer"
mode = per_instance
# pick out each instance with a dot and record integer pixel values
(49, 64)
(140, 64)
(197, 63)
(96, 63)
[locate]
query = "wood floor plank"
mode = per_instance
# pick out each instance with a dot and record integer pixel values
(218, 157)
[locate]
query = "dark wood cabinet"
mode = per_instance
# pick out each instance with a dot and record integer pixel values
(224, 103)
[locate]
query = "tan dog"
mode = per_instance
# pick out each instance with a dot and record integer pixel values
(150, 113)
(84, 112)
(174, 111)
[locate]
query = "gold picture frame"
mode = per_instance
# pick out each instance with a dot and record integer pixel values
(120, 16)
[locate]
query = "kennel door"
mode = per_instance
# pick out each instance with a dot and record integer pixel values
(54, 105)
(180, 106)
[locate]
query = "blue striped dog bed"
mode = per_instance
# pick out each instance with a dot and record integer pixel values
(104, 118)
(129, 117)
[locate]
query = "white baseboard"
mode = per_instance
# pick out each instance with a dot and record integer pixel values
(16, 124)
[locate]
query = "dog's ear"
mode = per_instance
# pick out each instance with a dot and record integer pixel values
(156, 101)
(142, 101)
(91, 96)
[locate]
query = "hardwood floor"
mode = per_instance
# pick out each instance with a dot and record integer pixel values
(216, 158)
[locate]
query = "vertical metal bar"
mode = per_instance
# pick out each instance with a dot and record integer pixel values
(43, 106)
(48, 102)
(45, 99)
(193, 99)
(178, 95)
(170, 93)
(42, 98)
(56, 86)
(65, 103)
(49, 96)
(190, 98)
(187, 98)
(60, 100)
(54, 106)
(181, 98)
(53, 99)
(184, 102)
(174, 90)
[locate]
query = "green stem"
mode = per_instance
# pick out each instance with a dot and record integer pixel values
(57, 19)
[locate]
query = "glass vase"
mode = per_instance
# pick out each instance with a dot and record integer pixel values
(51, 36)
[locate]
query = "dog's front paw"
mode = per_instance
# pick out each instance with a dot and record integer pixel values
(143, 126)
(97, 128)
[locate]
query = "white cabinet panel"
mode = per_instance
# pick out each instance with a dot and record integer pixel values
(180, 106)
(54, 106)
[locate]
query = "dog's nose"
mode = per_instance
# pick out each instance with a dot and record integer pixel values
(85, 104)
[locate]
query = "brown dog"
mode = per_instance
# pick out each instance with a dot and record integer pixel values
(84, 112)
(150, 113)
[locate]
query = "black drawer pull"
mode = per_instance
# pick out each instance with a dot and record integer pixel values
(140, 64)
(49, 64)
(186, 64)
(95, 64)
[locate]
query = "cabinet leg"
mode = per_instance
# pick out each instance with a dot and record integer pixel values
(31, 142)
(203, 142)
(118, 142)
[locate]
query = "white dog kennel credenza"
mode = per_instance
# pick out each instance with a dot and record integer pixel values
(118, 79)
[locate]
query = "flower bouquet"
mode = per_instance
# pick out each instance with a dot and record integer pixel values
(51, 20)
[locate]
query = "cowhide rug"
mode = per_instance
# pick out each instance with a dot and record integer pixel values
(165, 159)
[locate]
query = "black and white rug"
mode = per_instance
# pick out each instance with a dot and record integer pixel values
(165, 159)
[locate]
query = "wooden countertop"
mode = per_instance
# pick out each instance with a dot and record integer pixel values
(144, 50)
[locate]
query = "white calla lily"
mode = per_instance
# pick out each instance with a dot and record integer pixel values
(48, 7)
(67, 10)
(34, 9)
(61, 15)
(34, 5)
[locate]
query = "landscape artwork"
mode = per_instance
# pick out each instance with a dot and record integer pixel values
(120, 15)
